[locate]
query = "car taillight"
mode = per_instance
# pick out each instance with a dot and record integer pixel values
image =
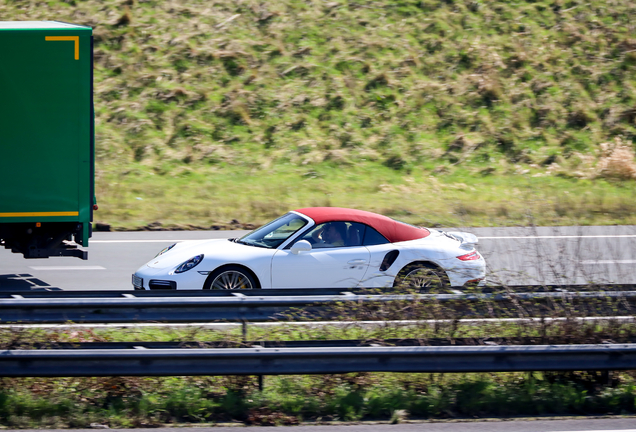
(469, 256)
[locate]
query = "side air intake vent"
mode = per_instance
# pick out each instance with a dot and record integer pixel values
(389, 259)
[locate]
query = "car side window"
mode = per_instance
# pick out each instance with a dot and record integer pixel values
(355, 233)
(312, 236)
(335, 235)
(372, 237)
(328, 235)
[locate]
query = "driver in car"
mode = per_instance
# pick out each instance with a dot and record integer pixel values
(331, 235)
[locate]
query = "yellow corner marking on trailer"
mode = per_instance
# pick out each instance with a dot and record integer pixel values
(66, 38)
(38, 214)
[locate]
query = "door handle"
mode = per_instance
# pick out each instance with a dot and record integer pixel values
(356, 262)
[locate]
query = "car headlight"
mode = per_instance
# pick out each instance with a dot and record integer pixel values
(189, 264)
(166, 249)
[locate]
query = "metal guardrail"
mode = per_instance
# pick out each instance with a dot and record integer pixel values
(237, 307)
(42, 293)
(295, 292)
(315, 343)
(288, 361)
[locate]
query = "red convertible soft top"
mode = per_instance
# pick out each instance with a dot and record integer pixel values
(393, 230)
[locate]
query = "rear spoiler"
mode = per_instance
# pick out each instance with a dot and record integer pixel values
(468, 240)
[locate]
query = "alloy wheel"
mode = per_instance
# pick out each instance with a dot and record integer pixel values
(231, 280)
(424, 278)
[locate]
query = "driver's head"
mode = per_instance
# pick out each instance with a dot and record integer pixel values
(334, 231)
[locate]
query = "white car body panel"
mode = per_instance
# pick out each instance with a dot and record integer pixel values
(216, 254)
(374, 278)
(326, 267)
(343, 267)
(437, 249)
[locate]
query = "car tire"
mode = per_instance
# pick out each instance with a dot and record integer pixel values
(231, 278)
(424, 277)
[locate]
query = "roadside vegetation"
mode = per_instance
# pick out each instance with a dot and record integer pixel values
(286, 400)
(139, 402)
(440, 112)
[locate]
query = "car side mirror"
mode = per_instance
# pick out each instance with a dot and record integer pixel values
(301, 246)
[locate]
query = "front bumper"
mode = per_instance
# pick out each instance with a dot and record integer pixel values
(138, 282)
(153, 284)
(149, 278)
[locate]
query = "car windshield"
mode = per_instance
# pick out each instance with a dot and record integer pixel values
(274, 233)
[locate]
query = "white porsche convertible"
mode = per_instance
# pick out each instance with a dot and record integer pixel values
(320, 247)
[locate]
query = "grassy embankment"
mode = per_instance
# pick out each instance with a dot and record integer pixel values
(438, 112)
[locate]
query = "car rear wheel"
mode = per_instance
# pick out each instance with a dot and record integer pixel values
(423, 277)
(230, 278)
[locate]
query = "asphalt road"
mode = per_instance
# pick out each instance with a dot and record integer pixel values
(516, 256)
(627, 424)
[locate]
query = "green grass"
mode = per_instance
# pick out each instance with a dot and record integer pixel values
(139, 402)
(213, 111)
(216, 196)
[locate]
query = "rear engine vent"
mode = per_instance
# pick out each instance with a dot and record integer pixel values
(156, 284)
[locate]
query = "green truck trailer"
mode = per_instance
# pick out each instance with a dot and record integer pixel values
(47, 140)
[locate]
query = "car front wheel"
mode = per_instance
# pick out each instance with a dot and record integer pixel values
(230, 278)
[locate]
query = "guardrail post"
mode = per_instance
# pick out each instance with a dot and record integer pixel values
(244, 329)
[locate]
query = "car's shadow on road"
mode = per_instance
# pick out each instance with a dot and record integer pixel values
(24, 282)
